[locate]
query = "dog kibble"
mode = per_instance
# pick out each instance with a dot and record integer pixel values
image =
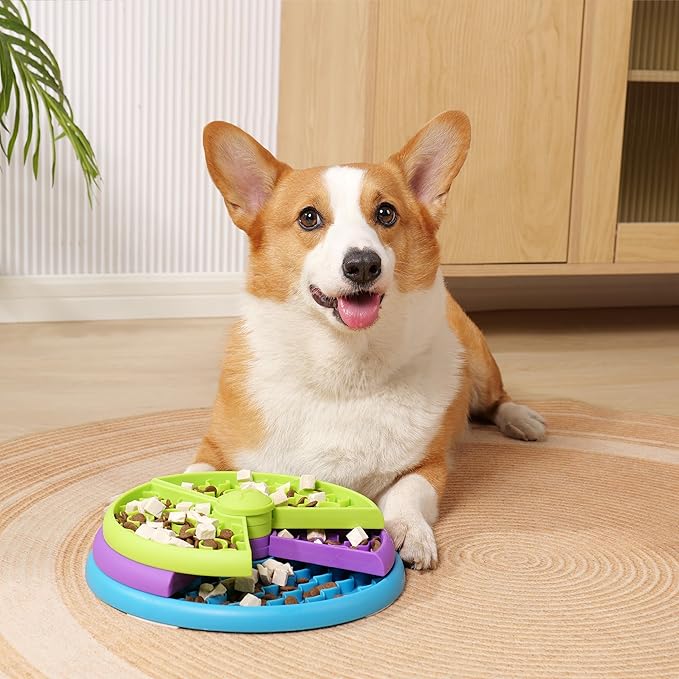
(129, 525)
(327, 585)
(311, 504)
(287, 588)
(225, 534)
(314, 591)
(302, 581)
(375, 544)
(210, 544)
(289, 600)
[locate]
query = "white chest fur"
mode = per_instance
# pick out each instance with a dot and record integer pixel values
(355, 408)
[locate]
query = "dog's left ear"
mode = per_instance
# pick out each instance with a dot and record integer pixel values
(433, 157)
(242, 169)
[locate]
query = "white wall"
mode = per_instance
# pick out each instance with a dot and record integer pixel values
(143, 79)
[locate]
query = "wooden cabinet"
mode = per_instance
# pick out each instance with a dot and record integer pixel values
(561, 178)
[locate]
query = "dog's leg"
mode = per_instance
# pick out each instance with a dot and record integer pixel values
(411, 505)
(489, 400)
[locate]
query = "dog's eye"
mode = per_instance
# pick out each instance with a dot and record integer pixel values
(309, 218)
(386, 214)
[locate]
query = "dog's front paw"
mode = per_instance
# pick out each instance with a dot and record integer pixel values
(416, 542)
(520, 422)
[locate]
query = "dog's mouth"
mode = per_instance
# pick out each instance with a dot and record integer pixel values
(357, 311)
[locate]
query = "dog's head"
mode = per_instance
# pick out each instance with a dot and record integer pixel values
(339, 239)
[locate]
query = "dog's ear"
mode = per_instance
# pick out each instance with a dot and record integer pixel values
(242, 169)
(433, 157)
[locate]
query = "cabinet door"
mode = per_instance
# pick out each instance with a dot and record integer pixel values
(512, 66)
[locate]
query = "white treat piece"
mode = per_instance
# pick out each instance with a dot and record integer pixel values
(177, 517)
(154, 524)
(244, 475)
(228, 582)
(264, 574)
(205, 531)
(307, 481)
(279, 497)
(187, 484)
(205, 589)
(250, 600)
(313, 535)
(280, 577)
(318, 496)
(285, 487)
(203, 508)
(132, 507)
(154, 506)
(209, 520)
(218, 590)
(255, 575)
(183, 506)
(272, 564)
(193, 516)
(177, 542)
(319, 542)
(161, 536)
(356, 536)
(285, 533)
(145, 531)
(261, 487)
(244, 585)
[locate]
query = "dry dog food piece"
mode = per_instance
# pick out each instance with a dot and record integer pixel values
(130, 526)
(307, 482)
(291, 493)
(168, 503)
(289, 600)
(310, 504)
(199, 600)
(250, 600)
(225, 534)
(314, 591)
(302, 581)
(327, 585)
(210, 544)
(269, 597)
(287, 588)
(210, 489)
(375, 544)
(357, 537)
(138, 517)
(332, 542)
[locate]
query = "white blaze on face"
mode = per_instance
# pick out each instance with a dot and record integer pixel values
(349, 229)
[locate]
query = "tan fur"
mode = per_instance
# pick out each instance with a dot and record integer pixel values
(236, 423)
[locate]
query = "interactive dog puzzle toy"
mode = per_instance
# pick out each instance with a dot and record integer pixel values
(250, 546)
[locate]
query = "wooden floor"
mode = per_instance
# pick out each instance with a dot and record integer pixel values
(57, 374)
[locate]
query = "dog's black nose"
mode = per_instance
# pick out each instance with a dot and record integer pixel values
(361, 266)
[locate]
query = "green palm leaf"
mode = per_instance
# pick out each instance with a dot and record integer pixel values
(31, 84)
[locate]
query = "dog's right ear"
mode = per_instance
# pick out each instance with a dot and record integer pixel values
(242, 169)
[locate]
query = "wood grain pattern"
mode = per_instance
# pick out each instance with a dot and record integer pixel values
(599, 136)
(512, 66)
(648, 242)
(653, 76)
(327, 81)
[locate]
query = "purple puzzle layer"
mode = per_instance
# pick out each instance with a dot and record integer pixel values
(376, 557)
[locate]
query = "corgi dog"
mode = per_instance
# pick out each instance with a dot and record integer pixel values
(351, 360)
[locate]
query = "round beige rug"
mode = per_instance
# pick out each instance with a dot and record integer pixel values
(557, 559)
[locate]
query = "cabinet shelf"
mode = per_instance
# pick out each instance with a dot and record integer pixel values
(639, 75)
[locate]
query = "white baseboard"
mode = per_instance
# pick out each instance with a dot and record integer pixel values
(25, 299)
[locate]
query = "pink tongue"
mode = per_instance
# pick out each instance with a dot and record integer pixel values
(359, 311)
